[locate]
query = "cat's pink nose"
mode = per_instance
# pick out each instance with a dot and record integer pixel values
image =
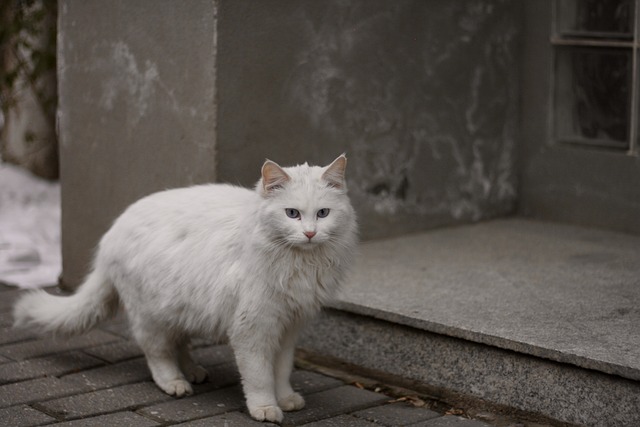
(309, 234)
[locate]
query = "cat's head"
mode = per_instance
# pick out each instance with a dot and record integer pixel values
(306, 206)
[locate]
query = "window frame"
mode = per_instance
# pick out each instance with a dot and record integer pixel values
(611, 42)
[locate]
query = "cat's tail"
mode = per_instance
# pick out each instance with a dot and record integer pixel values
(96, 300)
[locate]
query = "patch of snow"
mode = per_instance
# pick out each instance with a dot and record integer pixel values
(30, 254)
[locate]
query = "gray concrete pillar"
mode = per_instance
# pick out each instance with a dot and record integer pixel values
(137, 110)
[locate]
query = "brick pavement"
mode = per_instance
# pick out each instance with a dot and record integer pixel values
(101, 379)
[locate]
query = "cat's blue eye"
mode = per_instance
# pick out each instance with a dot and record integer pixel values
(292, 213)
(323, 213)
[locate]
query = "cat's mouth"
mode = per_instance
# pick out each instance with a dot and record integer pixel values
(307, 244)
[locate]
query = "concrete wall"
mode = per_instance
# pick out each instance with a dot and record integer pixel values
(137, 110)
(422, 95)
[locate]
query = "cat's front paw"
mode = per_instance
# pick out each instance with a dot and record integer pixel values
(177, 388)
(267, 413)
(293, 402)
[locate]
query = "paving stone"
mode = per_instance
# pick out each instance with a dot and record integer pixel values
(117, 419)
(6, 319)
(48, 346)
(8, 298)
(54, 365)
(230, 419)
(307, 382)
(197, 406)
(105, 401)
(19, 416)
(115, 352)
(9, 334)
(223, 375)
(127, 372)
(337, 401)
(450, 421)
(396, 414)
(36, 390)
(342, 421)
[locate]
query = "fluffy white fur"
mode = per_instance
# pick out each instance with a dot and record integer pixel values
(223, 262)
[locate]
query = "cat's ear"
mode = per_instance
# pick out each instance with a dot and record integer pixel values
(334, 173)
(273, 176)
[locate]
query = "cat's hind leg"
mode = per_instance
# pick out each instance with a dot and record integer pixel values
(193, 372)
(163, 356)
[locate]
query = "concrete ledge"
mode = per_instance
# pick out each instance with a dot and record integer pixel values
(450, 365)
(536, 316)
(563, 293)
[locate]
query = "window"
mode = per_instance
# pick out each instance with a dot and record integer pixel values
(597, 74)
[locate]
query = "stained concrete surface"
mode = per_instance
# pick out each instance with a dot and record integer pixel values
(422, 95)
(559, 292)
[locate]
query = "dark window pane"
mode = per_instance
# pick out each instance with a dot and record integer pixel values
(596, 18)
(593, 96)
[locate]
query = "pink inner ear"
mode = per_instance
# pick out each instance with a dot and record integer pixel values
(273, 176)
(333, 183)
(334, 175)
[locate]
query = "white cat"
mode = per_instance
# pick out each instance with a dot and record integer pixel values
(223, 262)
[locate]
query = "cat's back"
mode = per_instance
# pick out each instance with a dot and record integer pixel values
(198, 209)
(195, 200)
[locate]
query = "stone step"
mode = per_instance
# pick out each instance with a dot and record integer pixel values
(536, 316)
